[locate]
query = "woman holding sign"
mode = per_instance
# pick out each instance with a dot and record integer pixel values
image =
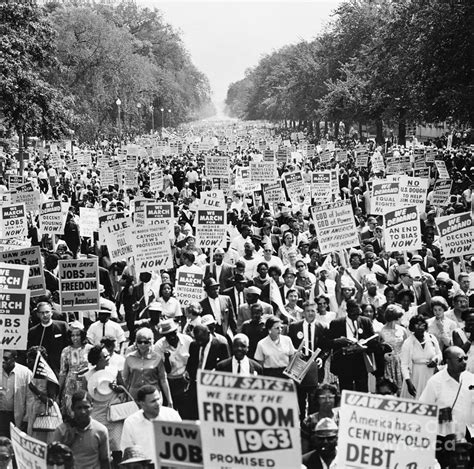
(275, 351)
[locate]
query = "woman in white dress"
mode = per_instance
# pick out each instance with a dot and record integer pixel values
(420, 356)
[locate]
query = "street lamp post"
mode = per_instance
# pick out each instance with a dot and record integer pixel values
(169, 117)
(162, 120)
(152, 110)
(119, 122)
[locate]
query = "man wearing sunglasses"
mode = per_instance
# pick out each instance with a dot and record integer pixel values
(450, 389)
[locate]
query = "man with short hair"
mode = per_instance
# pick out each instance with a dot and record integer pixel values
(49, 333)
(13, 390)
(254, 328)
(87, 438)
(313, 335)
(221, 271)
(240, 363)
(138, 427)
(450, 390)
(253, 296)
(104, 327)
(173, 348)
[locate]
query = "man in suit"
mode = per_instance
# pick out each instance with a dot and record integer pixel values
(236, 291)
(313, 335)
(204, 354)
(348, 358)
(51, 334)
(219, 270)
(289, 279)
(429, 263)
(143, 294)
(240, 363)
(253, 296)
(219, 307)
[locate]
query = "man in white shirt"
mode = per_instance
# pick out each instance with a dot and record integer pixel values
(138, 427)
(451, 390)
(239, 363)
(104, 327)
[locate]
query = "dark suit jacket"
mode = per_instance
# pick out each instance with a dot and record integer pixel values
(227, 311)
(312, 460)
(354, 363)
(54, 340)
(230, 293)
(227, 272)
(383, 263)
(137, 295)
(430, 265)
(226, 365)
(320, 340)
(217, 352)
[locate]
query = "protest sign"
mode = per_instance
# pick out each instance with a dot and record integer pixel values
(263, 172)
(14, 224)
(7, 244)
(211, 219)
(273, 193)
(362, 158)
(79, 284)
(88, 221)
(118, 237)
(107, 177)
(189, 286)
(378, 165)
(282, 155)
(456, 234)
(386, 432)
(152, 248)
(156, 180)
(422, 172)
(14, 318)
(30, 453)
(295, 187)
(13, 277)
(5, 196)
(28, 256)
(28, 195)
(139, 211)
(178, 445)
(335, 226)
(385, 196)
(419, 158)
(14, 181)
(431, 154)
(321, 186)
(442, 170)
(402, 229)
(248, 421)
(413, 191)
(51, 218)
(160, 214)
(441, 192)
(130, 177)
(268, 155)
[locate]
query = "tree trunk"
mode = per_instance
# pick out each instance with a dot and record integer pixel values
(317, 129)
(379, 133)
(360, 131)
(347, 127)
(336, 130)
(326, 128)
(402, 128)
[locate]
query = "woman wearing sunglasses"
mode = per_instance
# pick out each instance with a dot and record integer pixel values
(144, 366)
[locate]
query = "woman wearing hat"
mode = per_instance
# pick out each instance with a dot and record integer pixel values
(103, 382)
(74, 364)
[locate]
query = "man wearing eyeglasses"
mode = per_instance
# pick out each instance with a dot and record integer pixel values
(450, 389)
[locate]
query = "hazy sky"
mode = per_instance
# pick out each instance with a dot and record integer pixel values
(226, 37)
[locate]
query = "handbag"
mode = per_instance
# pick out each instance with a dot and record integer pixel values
(120, 411)
(49, 420)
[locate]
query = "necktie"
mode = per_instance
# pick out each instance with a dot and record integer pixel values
(167, 362)
(238, 367)
(310, 338)
(201, 357)
(103, 329)
(356, 336)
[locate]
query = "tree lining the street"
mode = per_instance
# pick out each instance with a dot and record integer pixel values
(377, 61)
